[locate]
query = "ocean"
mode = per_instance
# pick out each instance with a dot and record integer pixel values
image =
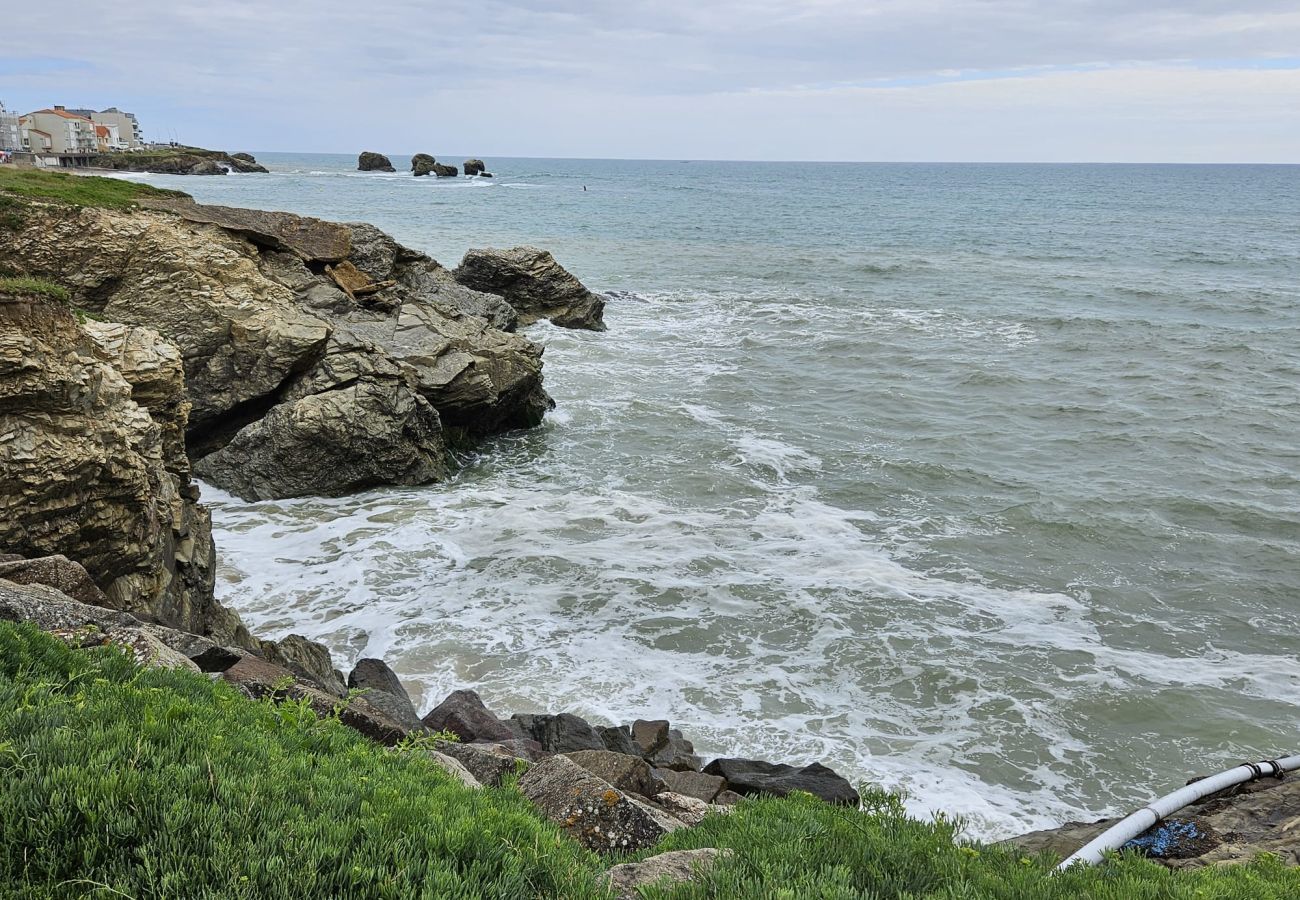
(978, 482)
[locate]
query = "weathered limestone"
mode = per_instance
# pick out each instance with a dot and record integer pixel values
(295, 386)
(85, 471)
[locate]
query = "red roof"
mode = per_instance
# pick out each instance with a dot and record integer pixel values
(59, 112)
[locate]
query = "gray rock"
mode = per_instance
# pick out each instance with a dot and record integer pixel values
(489, 763)
(422, 164)
(207, 167)
(533, 283)
(453, 768)
(463, 714)
(369, 161)
(57, 572)
(384, 690)
(630, 774)
(591, 810)
(308, 660)
(563, 733)
(750, 776)
(692, 784)
(374, 431)
(663, 871)
(690, 810)
(618, 739)
(727, 798)
(258, 678)
(474, 167)
(664, 747)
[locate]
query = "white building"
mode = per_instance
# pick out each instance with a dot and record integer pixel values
(59, 131)
(128, 129)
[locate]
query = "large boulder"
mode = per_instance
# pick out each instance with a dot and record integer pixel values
(86, 472)
(384, 690)
(309, 660)
(464, 715)
(444, 171)
(591, 810)
(474, 167)
(369, 161)
(563, 733)
(1229, 827)
(532, 282)
(629, 774)
(663, 746)
(749, 777)
(207, 167)
(692, 784)
(56, 571)
(490, 764)
(422, 164)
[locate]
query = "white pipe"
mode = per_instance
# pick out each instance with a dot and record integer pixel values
(1130, 827)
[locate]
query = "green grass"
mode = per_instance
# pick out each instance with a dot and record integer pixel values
(120, 781)
(78, 190)
(33, 286)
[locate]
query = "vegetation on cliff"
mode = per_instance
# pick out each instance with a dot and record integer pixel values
(77, 190)
(122, 781)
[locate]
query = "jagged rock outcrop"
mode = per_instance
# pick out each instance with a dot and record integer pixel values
(474, 167)
(86, 472)
(422, 164)
(178, 161)
(1229, 827)
(297, 387)
(369, 161)
(532, 282)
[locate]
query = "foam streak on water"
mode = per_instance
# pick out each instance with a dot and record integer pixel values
(979, 482)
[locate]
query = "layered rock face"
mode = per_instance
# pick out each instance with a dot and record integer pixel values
(535, 285)
(93, 468)
(297, 386)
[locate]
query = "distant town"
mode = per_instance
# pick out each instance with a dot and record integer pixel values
(58, 135)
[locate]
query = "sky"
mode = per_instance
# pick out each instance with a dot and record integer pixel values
(900, 80)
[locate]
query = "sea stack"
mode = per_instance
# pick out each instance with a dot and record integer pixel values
(369, 161)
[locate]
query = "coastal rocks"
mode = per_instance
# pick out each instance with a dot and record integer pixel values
(58, 572)
(178, 161)
(383, 689)
(422, 164)
(663, 871)
(464, 715)
(307, 659)
(629, 774)
(369, 161)
(692, 784)
(313, 240)
(445, 171)
(474, 167)
(664, 747)
(85, 472)
(689, 810)
(453, 767)
(206, 167)
(258, 678)
(591, 810)
(532, 282)
(750, 777)
(297, 387)
(563, 733)
(1229, 827)
(490, 764)
(337, 442)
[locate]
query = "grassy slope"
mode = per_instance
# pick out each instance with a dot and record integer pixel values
(78, 190)
(121, 781)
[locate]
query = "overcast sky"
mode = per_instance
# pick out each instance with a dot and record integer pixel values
(1053, 80)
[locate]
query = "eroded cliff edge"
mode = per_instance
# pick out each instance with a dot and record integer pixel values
(318, 357)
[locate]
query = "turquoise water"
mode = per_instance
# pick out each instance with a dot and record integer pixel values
(978, 481)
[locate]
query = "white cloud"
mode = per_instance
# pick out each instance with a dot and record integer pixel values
(752, 78)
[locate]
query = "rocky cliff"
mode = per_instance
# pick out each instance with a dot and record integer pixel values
(320, 358)
(93, 467)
